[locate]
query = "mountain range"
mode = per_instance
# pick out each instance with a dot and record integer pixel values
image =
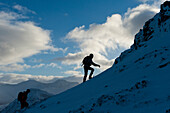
(9, 92)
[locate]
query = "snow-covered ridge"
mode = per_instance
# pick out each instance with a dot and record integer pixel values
(34, 96)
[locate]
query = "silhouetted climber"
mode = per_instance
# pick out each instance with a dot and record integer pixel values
(87, 62)
(22, 97)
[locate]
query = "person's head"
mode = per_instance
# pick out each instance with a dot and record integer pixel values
(91, 55)
(28, 90)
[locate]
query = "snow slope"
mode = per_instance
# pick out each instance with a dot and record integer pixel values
(9, 92)
(138, 82)
(34, 96)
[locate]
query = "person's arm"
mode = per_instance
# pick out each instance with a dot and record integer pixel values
(95, 64)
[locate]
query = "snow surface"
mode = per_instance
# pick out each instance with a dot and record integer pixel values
(138, 82)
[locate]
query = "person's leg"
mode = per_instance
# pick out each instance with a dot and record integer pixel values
(91, 73)
(22, 104)
(26, 104)
(85, 73)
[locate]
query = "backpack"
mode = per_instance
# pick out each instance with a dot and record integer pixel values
(20, 96)
(85, 60)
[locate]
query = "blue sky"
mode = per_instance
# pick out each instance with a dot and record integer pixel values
(45, 39)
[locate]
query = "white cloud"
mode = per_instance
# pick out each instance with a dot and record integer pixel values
(59, 49)
(13, 78)
(158, 2)
(71, 58)
(136, 17)
(19, 40)
(22, 67)
(99, 37)
(47, 65)
(17, 78)
(36, 60)
(14, 67)
(10, 16)
(38, 66)
(105, 39)
(23, 9)
(54, 65)
(73, 73)
(144, 1)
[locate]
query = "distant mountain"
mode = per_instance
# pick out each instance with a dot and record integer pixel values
(69, 79)
(34, 96)
(138, 82)
(74, 79)
(9, 92)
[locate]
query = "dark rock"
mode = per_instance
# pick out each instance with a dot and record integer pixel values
(164, 65)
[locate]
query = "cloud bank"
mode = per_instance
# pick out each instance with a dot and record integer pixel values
(13, 78)
(21, 39)
(117, 33)
(22, 67)
(14, 67)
